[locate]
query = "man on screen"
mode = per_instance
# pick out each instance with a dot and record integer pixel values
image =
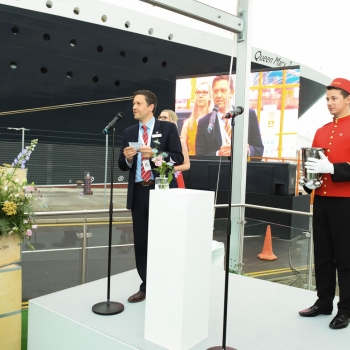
(216, 141)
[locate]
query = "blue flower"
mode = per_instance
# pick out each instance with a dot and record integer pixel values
(24, 155)
(154, 150)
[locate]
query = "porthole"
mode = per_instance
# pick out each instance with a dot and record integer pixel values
(127, 24)
(145, 59)
(122, 53)
(73, 43)
(69, 74)
(95, 79)
(104, 18)
(164, 63)
(46, 36)
(99, 48)
(43, 70)
(170, 36)
(76, 10)
(150, 31)
(15, 30)
(49, 4)
(117, 83)
(13, 65)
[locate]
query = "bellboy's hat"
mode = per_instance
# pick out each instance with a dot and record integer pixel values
(341, 84)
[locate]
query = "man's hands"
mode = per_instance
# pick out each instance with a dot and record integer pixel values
(129, 152)
(225, 150)
(146, 151)
(319, 166)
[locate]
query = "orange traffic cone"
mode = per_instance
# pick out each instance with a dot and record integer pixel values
(267, 253)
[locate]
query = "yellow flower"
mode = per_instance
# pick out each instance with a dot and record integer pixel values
(10, 208)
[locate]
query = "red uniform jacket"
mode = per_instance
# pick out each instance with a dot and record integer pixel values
(334, 137)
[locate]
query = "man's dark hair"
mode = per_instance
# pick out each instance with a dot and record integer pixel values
(344, 93)
(223, 77)
(150, 98)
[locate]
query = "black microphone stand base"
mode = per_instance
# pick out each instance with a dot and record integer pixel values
(221, 348)
(108, 308)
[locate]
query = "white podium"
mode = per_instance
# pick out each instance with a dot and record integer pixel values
(178, 268)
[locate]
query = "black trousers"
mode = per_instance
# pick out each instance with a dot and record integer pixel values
(331, 219)
(139, 212)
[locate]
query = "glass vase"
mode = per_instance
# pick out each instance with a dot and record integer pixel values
(161, 183)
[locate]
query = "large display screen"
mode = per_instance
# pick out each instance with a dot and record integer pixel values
(273, 113)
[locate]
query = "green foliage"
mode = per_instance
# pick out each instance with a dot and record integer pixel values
(24, 330)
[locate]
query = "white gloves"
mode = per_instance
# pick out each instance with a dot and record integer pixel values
(319, 166)
(311, 184)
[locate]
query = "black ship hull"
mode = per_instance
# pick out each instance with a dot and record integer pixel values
(49, 60)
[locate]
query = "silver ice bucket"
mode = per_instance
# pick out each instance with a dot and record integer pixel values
(306, 153)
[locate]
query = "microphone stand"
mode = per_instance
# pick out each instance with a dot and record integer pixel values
(228, 241)
(107, 308)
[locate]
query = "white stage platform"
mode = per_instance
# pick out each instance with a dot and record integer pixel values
(261, 315)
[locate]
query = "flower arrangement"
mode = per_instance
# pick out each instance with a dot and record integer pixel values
(16, 196)
(162, 167)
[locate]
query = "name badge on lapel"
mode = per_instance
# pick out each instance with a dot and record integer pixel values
(156, 135)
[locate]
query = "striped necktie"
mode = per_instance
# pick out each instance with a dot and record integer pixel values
(145, 174)
(227, 128)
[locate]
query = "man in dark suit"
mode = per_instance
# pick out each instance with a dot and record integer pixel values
(217, 141)
(141, 177)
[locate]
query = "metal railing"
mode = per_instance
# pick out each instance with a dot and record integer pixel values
(241, 222)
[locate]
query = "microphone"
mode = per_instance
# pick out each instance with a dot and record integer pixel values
(235, 112)
(112, 123)
(212, 118)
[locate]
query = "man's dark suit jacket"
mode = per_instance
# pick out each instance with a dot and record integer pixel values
(169, 142)
(207, 144)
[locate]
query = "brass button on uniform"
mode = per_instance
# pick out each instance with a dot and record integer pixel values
(325, 178)
(324, 192)
(324, 185)
(330, 143)
(333, 132)
(331, 137)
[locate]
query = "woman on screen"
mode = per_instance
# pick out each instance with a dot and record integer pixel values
(170, 116)
(202, 104)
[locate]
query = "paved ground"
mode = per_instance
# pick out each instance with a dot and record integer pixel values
(60, 199)
(56, 263)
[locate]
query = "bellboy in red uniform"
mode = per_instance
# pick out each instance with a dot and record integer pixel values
(332, 208)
